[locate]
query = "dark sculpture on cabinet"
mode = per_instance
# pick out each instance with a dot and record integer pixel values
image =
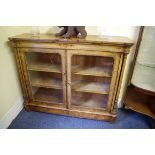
(72, 31)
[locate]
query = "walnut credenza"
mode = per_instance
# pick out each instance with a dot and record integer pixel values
(75, 77)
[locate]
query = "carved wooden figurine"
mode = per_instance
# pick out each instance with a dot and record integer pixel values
(72, 31)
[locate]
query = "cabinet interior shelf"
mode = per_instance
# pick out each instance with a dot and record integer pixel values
(138, 102)
(39, 66)
(46, 82)
(91, 87)
(48, 95)
(94, 71)
(96, 103)
(140, 107)
(76, 69)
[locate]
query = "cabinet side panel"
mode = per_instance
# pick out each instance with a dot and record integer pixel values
(122, 72)
(25, 74)
(113, 81)
(114, 102)
(21, 75)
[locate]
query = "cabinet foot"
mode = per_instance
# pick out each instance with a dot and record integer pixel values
(113, 120)
(26, 107)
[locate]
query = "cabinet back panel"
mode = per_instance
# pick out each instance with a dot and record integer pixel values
(92, 61)
(49, 58)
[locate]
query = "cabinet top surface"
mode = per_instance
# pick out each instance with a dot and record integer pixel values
(90, 39)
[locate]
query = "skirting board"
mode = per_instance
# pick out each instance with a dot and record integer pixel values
(119, 103)
(11, 114)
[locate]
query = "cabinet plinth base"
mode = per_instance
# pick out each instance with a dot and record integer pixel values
(26, 107)
(33, 106)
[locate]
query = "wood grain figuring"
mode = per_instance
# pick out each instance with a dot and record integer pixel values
(39, 66)
(46, 82)
(75, 77)
(42, 107)
(48, 95)
(112, 90)
(25, 75)
(51, 38)
(64, 80)
(23, 83)
(121, 68)
(91, 87)
(84, 100)
(118, 84)
(93, 71)
(140, 107)
(27, 46)
(139, 102)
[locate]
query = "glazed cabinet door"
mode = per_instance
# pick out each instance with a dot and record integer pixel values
(45, 75)
(91, 80)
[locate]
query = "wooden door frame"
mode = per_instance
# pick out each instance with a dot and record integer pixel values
(36, 50)
(115, 56)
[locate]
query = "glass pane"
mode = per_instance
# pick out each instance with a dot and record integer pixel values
(48, 62)
(90, 80)
(45, 76)
(45, 79)
(89, 100)
(47, 95)
(92, 65)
